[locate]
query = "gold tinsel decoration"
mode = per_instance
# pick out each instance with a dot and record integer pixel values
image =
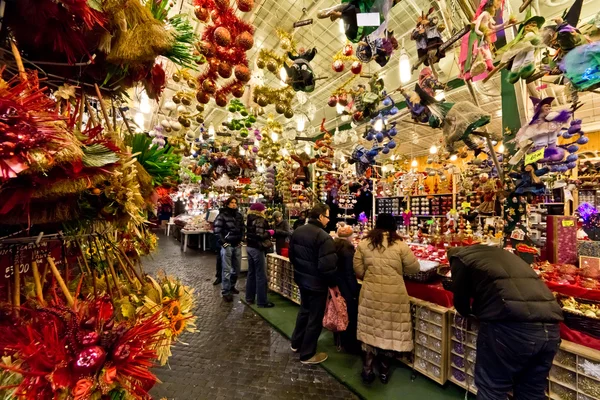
(269, 56)
(342, 88)
(286, 40)
(339, 56)
(283, 95)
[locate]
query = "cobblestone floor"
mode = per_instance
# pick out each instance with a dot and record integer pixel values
(235, 354)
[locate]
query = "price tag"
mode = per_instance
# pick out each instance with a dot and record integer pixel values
(535, 156)
(296, 188)
(568, 222)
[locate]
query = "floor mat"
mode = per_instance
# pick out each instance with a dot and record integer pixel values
(346, 367)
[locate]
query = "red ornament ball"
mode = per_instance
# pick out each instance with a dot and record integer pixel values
(348, 50)
(221, 100)
(89, 360)
(209, 86)
(245, 5)
(332, 101)
(201, 13)
(245, 40)
(202, 97)
(242, 73)
(222, 36)
(207, 49)
(224, 69)
(356, 67)
(238, 91)
(338, 66)
(222, 4)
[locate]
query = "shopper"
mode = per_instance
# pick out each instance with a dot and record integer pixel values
(349, 288)
(384, 319)
(300, 221)
(229, 228)
(282, 232)
(219, 273)
(312, 254)
(518, 321)
(258, 239)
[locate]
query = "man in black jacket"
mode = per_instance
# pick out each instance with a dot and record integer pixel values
(312, 254)
(258, 240)
(229, 228)
(518, 315)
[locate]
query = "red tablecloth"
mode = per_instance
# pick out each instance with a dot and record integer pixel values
(431, 292)
(578, 337)
(575, 291)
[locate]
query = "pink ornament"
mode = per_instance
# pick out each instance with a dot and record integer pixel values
(254, 149)
(89, 360)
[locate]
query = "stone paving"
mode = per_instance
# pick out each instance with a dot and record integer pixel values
(235, 354)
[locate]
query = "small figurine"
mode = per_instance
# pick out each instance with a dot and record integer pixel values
(476, 58)
(428, 36)
(379, 49)
(429, 83)
(300, 74)
(519, 55)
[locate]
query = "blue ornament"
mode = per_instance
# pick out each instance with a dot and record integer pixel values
(387, 102)
(385, 150)
(391, 144)
(572, 158)
(394, 110)
(572, 148)
(392, 132)
(369, 136)
(583, 140)
(379, 137)
(372, 153)
(571, 165)
(195, 155)
(567, 135)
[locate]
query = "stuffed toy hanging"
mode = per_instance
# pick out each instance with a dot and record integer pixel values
(300, 74)
(428, 37)
(519, 55)
(476, 56)
(379, 49)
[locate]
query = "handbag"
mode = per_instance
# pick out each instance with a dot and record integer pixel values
(336, 312)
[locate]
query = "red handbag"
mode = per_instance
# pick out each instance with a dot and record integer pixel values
(336, 313)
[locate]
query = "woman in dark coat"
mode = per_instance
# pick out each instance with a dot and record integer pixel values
(349, 288)
(282, 232)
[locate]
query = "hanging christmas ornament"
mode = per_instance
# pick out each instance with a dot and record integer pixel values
(348, 50)
(222, 36)
(209, 86)
(332, 102)
(338, 66)
(238, 90)
(201, 13)
(202, 97)
(224, 70)
(356, 67)
(289, 113)
(272, 66)
(280, 108)
(222, 4)
(242, 73)
(245, 40)
(245, 5)
(89, 360)
(343, 99)
(260, 63)
(176, 77)
(207, 49)
(199, 107)
(262, 101)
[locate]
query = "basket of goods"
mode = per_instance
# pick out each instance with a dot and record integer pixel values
(428, 272)
(581, 315)
(445, 274)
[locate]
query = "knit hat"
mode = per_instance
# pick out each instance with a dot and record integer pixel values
(277, 214)
(260, 207)
(345, 231)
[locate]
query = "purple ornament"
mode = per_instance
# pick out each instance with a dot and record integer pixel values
(387, 102)
(572, 157)
(385, 150)
(391, 144)
(562, 168)
(571, 165)
(554, 153)
(583, 140)
(573, 129)
(394, 110)
(572, 148)
(254, 149)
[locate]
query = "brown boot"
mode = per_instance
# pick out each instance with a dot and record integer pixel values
(367, 374)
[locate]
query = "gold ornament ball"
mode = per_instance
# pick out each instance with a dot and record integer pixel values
(289, 113)
(272, 66)
(199, 107)
(209, 86)
(176, 77)
(260, 63)
(186, 101)
(199, 119)
(286, 43)
(177, 99)
(280, 108)
(262, 101)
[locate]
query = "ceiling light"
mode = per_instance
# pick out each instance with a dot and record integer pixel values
(307, 148)
(301, 123)
(414, 163)
(342, 27)
(139, 120)
(339, 108)
(211, 130)
(144, 102)
(433, 149)
(453, 157)
(274, 136)
(440, 95)
(404, 66)
(501, 148)
(283, 75)
(378, 126)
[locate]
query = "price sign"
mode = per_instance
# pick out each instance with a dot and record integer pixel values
(296, 188)
(568, 222)
(535, 156)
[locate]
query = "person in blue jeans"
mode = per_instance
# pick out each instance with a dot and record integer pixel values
(518, 320)
(258, 239)
(229, 228)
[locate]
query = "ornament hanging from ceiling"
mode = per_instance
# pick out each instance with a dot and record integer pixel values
(224, 44)
(428, 37)
(300, 75)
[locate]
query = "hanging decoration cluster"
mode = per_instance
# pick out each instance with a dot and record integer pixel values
(224, 44)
